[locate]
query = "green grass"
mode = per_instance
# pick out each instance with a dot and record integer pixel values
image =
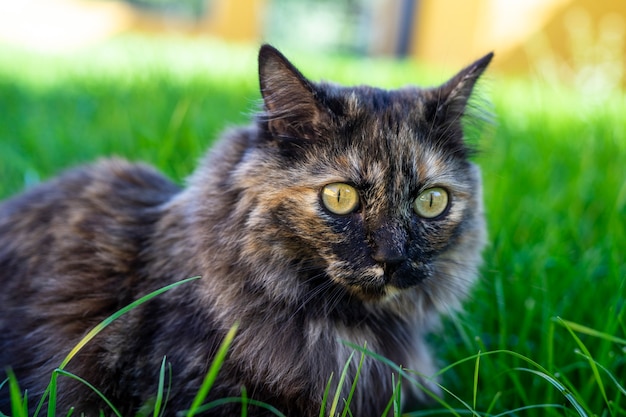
(544, 333)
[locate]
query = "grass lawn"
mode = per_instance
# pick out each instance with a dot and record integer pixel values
(545, 331)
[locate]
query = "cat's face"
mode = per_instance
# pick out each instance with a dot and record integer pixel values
(371, 187)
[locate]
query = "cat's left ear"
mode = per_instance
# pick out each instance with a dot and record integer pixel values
(452, 97)
(293, 108)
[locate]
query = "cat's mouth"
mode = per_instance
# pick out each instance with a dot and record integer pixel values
(382, 282)
(407, 274)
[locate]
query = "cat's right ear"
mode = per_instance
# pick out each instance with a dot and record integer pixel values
(292, 108)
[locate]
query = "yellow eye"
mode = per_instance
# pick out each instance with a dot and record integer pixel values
(340, 198)
(431, 203)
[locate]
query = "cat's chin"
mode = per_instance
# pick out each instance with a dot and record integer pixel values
(369, 294)
(376, 293)
(376, 285)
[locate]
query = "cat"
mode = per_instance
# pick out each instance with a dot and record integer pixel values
(339, 215)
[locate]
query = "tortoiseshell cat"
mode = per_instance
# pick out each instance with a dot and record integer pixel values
(341, 214)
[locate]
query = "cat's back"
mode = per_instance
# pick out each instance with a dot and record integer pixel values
(71, 248)
(95, 204)
(95, 213)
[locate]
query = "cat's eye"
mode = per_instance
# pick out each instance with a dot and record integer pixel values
(340, 198)
(431, 203)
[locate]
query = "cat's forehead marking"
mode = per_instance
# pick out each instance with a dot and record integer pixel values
(434, 166)
(394, 157)
(368, 171)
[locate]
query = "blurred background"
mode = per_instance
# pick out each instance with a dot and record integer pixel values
(576, 41)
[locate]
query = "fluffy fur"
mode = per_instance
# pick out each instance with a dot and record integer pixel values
(297, 278)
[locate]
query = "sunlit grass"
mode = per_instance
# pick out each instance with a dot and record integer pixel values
(544, 331)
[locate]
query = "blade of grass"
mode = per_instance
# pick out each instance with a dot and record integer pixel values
(388, 406)
(232, 400)
(91, 387)
(19, 405)
(550, 356)
(397, 397)
(244, 402)
(621, 317)
(564, 391)
(620, 387)
(502, 312)
(52, 402)
(159, 403)
(475, 388)
(51, 389)
(342, 378)
(106, 322)
(409, 377)
(353, 388)
(514, 411)
(214, 369)
(493, 402)
(325, 396)
(592, 363)
(541, 371)
(589, 331)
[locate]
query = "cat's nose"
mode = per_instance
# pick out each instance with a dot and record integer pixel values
(388, 255)
(390, 259)
(388, 244)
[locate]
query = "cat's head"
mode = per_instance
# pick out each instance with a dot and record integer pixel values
(369, 189)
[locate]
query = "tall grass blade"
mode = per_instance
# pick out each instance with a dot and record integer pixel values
(493, 402)
(619, 386)
(353, 388)
(540, 371)
(475, 388)
(342, 378)
(325, 396)
(389, 405)
(397, 397)
(592, 363)
(214, 369)
(106, 322)
(564, 391)
(589, 331)
(51, 389)
(52, 402)
(159, 401)
(550, 364)
(514, 411)
(244, 402)
(19, 404)
(232, 400)
(407, 376)
(91, 387)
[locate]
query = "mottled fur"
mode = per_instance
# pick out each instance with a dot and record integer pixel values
(297, 278)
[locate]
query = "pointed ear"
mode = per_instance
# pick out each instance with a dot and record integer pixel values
(453, 96)
(446, 105)
(292, 108)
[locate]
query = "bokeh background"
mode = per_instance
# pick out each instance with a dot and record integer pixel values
(577, 41)
(544, 332)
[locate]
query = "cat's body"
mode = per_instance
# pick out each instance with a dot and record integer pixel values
(297, 276)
